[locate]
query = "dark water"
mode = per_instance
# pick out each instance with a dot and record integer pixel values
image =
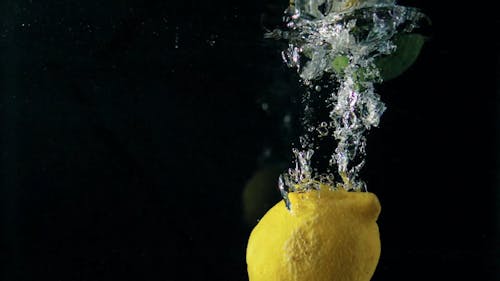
(129, 130)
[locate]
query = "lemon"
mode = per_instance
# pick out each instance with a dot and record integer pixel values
(261, 193)
(327, 235)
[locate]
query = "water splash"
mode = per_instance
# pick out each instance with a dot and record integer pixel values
(333, 45)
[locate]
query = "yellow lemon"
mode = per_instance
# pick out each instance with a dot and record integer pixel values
(261, 193)
(327, 235)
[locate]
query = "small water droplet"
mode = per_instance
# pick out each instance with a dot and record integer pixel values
(287, 119)
(322, 132)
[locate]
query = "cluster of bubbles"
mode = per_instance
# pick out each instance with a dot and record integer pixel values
(333, 45)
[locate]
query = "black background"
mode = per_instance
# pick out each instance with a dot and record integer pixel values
(123, 157)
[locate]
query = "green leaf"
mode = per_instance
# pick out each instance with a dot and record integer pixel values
(339, 63)
(407, 51)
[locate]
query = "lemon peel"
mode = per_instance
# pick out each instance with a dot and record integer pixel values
(327, 235)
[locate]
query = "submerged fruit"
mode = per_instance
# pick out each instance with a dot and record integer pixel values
(327, 235)
(260, 193)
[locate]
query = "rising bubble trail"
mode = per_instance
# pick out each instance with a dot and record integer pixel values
(333, 45)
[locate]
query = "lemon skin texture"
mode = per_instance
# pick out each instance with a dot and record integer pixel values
(327, 235)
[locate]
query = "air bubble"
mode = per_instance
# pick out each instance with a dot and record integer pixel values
(332, 45)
